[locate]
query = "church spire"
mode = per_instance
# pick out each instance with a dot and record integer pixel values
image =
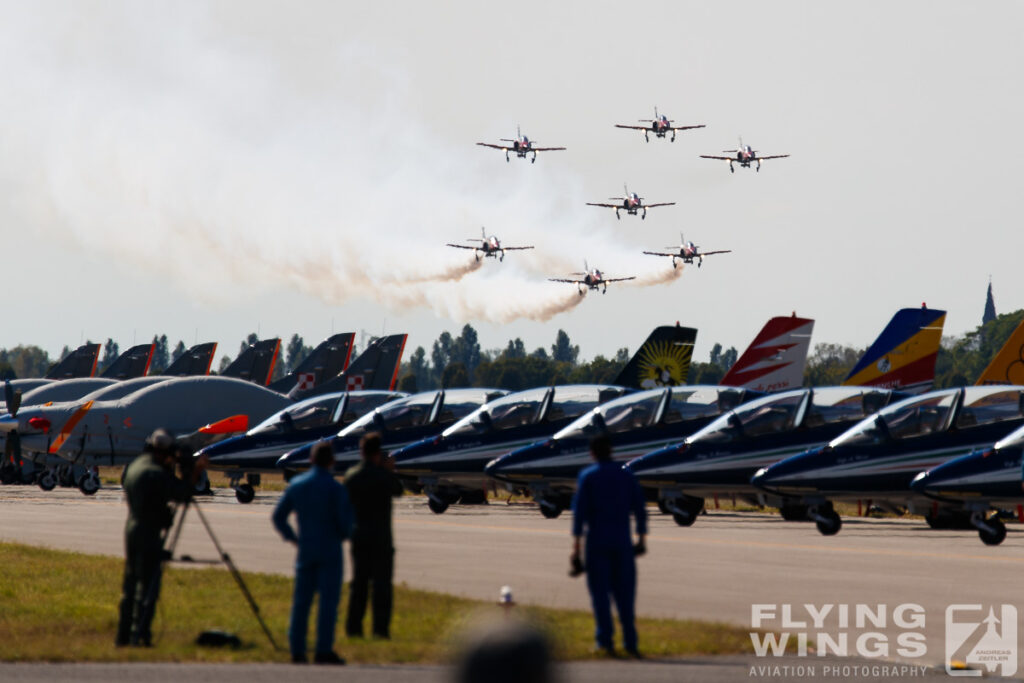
(990, 305)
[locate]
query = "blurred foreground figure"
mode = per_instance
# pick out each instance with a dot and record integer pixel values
(508, 652)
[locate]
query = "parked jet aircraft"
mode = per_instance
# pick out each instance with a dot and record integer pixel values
(399, 423)
(522, 146)
(631, 203)
(192, 362)
(376, 368)
(979, 483)
(687, 252)
(257, 451)
(450, 466)
(744, 156)
(592, 279)
(636, 423)
(79, 363)
(489, 246)
(903, 357)
(721, 457)
(325, 362)
(659, 125)
(879, 457)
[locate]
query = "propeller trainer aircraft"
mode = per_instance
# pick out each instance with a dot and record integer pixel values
(659, 125)
(687, 252)
(489, 246)
(522, 146)
(744, 156)
(592, 279)
(631, 204)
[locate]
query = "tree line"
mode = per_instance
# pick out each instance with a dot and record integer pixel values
(459, 361)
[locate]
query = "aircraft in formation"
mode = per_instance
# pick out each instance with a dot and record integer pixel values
(631, 203)
(744, 155)
(489, 246)
(522, 146)
(660, 125)
(591, 278)
(687, 252)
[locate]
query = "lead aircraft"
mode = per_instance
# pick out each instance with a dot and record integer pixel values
(522, 146)
(592, 279)
(660, 125)
(489, 246)
(631, 203)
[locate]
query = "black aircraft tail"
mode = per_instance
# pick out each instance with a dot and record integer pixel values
(79, 363)
(324, 362)
(256, 363)
(132, 363)
(662, 361)
(375, 368)
(195, 361)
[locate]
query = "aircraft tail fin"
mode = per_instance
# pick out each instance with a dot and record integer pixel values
(662, 360)
(132, 363)
(375, 368)
(79, 363)
(327, 360)
(255, 363)
(903, 357)
(195, 361)
(1007, 366)
(776, 358)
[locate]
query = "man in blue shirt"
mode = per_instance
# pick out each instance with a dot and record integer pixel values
(605, 496)
(325, 520)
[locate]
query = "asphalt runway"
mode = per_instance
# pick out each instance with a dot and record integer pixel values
(715, 570)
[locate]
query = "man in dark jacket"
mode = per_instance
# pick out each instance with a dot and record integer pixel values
(606, 495)
(149, 488)
(325, 520)
(372, 484)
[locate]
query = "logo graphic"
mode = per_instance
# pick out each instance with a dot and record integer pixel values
(884, 365)
(664, 364)
(354, 383)
(976, 640)
(307, 380)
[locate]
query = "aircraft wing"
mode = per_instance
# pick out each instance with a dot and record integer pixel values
(559, 279)
(503, 148)
(659, 253)
(516, 248)
(620, 125)
(607, 206)
(461, 246)
(709, 156)
(651, 206)
(777, 156)
(720, 251)
(618, 279)
(686, 127)
(546, 149)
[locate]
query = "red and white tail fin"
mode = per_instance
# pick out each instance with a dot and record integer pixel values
(776, 358)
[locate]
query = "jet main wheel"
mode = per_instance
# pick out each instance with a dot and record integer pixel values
(436, 505)
(995, 533)
(47, 481)
(245, 493)
(89, 484)
(684, 518)
(830, 523)
(549, 509)
(473, 497)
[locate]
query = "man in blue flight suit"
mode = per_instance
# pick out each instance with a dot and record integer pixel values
(325, 520)
(605, 496)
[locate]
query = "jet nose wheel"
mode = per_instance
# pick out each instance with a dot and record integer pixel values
(245, 493)
(827, 520)
(47, 481)
(89, 484)
(992, 531)
(549, 508)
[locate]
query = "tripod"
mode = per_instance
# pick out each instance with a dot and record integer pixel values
(173, 537)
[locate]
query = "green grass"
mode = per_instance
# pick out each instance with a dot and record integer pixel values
(62, 606)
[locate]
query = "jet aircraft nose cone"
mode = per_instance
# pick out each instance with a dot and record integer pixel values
(299, 456)
(920, 483)
(760, 477)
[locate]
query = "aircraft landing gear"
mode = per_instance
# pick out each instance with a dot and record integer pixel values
(992, 531)
(550, 508)
(89, 483)
(47, 480)
(793, 512)
(643, 216)
(617, 216)
(245, 493)
(685, 509)
(825, 518)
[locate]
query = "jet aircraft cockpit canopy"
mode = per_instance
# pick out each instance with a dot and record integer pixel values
(934, 412)
(313, 412)
(430, 407)
(533, 406)
(788, 410)
(649, 408)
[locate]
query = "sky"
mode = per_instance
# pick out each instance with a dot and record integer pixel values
(207, 170)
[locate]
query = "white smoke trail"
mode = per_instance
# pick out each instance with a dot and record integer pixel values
(659, 277)
(230, 164)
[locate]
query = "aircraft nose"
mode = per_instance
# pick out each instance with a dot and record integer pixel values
(760, 477)
(8, 423)
(299, 456)
(921, 483)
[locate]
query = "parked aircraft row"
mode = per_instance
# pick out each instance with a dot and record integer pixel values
(660, 125)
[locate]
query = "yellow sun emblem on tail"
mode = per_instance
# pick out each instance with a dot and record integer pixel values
(664, 364)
